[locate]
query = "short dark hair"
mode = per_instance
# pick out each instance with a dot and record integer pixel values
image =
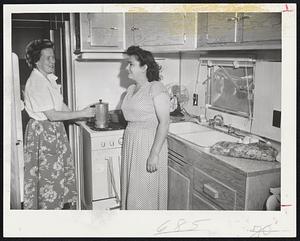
(145, 57)
(33, 51)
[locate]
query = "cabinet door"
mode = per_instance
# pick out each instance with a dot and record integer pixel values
(100, 31)
(178, 190)
(168, 30)
(221, 27)
(261, 26)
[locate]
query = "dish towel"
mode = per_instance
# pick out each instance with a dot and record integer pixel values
(258, 151)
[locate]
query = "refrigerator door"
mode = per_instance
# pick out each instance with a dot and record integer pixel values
(17, 158)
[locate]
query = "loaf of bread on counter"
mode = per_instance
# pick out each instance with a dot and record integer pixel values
(258, 151)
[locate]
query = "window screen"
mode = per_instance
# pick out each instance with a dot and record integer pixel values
(231, 89)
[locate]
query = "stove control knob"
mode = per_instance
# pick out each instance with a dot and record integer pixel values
(120, 141)
(102, 144)
(111, 143)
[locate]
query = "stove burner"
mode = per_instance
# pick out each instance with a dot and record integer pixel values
(111, 126)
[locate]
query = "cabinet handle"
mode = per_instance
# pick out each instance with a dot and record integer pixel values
(210, 191)
(232, 19)
(244, 17)
(114, 28)
(18, 142)
(134, 28)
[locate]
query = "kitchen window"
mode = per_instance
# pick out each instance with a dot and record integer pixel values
(230, 86)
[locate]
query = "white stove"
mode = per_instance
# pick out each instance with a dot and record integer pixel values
(101, 168)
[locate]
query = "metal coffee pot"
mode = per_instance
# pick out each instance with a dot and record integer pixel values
(101, 114)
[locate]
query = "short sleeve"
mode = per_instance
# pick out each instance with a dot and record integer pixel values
(157, 88)
(40, 97)
(130, 88)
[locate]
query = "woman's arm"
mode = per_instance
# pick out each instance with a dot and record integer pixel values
(162, 109)
(67, 114)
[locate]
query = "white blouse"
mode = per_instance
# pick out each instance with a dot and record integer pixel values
(42, 94)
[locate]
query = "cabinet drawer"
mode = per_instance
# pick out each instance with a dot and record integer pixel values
(218, 170)
(177, 147)
(214, 190)
(200, 203)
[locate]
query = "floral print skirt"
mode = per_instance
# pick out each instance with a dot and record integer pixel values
(49, 173)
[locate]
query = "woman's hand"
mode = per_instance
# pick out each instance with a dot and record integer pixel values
(89, 111)
(152, 163)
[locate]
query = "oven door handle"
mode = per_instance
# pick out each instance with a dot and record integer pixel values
(110, 167)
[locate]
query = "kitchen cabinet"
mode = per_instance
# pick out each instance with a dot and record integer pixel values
(238, 29)
(161, 31)
(101, 32)
(216, 28)
(261, 27)
(179, 177)
(214, 182)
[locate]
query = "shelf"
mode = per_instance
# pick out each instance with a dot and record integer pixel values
(86, 56)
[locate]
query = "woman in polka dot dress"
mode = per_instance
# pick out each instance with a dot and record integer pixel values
(146, 107)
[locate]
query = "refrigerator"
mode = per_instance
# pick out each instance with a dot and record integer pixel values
(17, 157)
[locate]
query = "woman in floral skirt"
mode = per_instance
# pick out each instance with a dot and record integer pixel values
(49, 174)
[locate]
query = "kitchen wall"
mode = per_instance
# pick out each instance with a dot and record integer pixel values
(107, 79)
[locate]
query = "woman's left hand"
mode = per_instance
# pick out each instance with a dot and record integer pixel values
(152, 163)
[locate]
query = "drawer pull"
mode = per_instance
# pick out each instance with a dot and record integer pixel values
(174, 152)
(176, 157)
(210, 191)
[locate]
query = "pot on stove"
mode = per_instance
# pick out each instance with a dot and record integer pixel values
(101, 120)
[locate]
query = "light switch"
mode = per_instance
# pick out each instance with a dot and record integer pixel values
(276, 118)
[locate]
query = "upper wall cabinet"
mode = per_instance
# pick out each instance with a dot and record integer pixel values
(161, 31)
(216, 28)
(101, 32)
(260, 26)
(239, 29)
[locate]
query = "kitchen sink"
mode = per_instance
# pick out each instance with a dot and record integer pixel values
(199, 135)
(207, 138)
(186, 127)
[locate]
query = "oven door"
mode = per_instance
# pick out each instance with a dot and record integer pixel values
(106, 165)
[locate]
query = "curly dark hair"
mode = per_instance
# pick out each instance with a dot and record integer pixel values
(145, 57)
(33, 51)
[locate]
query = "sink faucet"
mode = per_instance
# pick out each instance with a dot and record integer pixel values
(230, 130)
(218, 120)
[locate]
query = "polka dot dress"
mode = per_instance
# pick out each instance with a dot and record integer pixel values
(142, 190)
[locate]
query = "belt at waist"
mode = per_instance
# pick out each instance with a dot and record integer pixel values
(141, 124)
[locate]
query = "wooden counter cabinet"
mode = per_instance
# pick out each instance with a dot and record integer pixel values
(231, 183)
(199, 180)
